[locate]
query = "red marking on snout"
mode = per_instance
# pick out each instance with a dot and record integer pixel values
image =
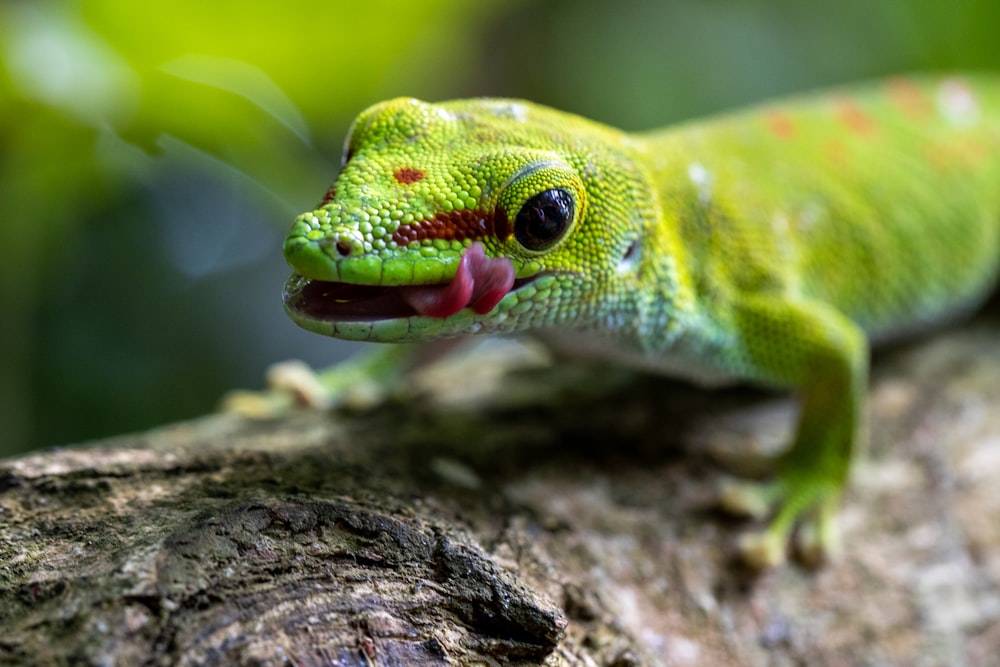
(455, 226)
(408, 175)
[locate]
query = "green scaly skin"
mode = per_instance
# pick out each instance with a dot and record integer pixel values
(769, 245)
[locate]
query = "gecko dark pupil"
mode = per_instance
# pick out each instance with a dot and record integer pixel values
(544, 219)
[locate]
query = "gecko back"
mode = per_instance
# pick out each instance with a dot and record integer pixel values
(882, 200)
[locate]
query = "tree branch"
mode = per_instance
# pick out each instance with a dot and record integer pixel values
(501, 510)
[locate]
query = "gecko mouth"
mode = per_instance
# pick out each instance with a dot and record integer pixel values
(479, 283)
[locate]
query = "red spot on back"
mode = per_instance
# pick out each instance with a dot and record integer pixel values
(851, 115)
(906, 96)
(780, 125)
(454, 226)
(408, 175)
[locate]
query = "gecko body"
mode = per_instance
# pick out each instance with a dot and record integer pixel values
(770, 245)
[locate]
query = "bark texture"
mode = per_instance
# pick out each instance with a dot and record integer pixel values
(500, 511)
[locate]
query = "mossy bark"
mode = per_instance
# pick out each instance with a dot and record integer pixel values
(498, 511)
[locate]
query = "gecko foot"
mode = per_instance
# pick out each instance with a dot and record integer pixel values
(800, 510)
(358, 383)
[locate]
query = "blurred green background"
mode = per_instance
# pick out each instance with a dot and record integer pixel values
(152, 154)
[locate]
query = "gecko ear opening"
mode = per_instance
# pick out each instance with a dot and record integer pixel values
(630, 259)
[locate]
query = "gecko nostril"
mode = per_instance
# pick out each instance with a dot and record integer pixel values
(344, 247)
(343, 242)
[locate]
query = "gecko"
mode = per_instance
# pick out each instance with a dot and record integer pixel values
(772, 245)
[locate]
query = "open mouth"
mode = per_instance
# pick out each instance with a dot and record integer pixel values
(480, 283)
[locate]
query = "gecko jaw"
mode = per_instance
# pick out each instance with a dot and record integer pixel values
(479, 283)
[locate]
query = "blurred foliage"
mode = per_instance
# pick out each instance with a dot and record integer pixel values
(152, 154)
(639, 64)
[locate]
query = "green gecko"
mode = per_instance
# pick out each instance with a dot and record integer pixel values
(771, 245)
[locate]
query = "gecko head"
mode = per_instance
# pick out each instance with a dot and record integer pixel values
(450, 219)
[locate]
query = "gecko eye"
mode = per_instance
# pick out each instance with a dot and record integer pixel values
(544, 219)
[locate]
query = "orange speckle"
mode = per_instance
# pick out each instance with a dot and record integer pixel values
(907, 97)
(408, 175)
(851, 115)
(780, 125)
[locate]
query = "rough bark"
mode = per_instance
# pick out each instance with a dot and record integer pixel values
(507, 512)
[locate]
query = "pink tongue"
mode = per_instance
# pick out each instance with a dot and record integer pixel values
(480, 282)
